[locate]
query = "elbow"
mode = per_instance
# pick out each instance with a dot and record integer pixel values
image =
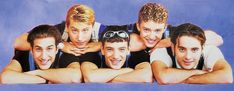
(3, 78)
(77, 78)
(229, 79)
(147, 78)
(88, 79)
(161, 79)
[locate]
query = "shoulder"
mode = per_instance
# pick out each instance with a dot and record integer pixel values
(161, 54)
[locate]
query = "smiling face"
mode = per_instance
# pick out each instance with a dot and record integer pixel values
(115, 54)
(151, 32)
(79, 33)
(188, 51)
(44, 52)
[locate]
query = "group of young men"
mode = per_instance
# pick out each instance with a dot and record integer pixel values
(82, 50)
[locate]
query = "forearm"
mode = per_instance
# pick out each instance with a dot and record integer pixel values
(172, 75)
(216, 77)
(21, 43)
(62, 75)
(12, 77)
(138, 75)
(103, 74)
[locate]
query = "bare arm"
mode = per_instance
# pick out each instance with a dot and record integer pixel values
(213, 38)
(222, 73)
(166, 75)
(70, 74)
(142, 73)
(136, 43)
(92, 73)
(12, 74)
(21, 43)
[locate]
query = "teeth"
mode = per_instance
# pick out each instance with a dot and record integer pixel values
(115, 62)
(44, 62)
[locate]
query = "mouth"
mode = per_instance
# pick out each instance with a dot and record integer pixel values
(115, 62)
(187, 62)
(150, 41)
(44, 62)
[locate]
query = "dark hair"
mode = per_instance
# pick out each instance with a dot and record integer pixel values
(44, 31)
(115, 38)
(188, 29)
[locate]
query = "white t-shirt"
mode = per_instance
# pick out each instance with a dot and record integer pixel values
(210, 54)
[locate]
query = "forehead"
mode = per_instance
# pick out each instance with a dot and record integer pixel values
(188, 42)
(152, 25)
(116, 44)
(79, 25)
(44, 42)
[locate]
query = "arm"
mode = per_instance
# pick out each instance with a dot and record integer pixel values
(222, 73)
(12, 74)
(92, 73)
(136, 44)
(166, 75)
(70, 74)
(21, 43)
(142, 73)
(213, 38)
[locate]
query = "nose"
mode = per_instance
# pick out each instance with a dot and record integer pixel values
(116, 55)
(44, 56)
(80, 36)
(153, 35)
(188, 55)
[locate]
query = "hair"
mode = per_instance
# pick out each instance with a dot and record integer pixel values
(188, 29)
(80, 13)
(44, 31)
(115, 38)
(153, 11)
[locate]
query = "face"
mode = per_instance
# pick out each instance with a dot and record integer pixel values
(44, 52)
(79, 33)
(188, 52)
(115, 54)
(151, 32)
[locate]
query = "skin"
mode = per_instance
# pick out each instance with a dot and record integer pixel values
(115, 54)
(44, 51)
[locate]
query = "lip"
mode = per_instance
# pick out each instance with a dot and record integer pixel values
(187, 63)
(115, 62)
(150, 41)
(44, 62)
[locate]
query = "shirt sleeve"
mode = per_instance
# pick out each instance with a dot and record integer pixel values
(161, 54)
(211, 55)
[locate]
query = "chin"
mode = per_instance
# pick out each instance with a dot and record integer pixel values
(44, 67)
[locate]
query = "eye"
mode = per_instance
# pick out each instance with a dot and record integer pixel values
(37, 49)
(50, 48)
(158, 30)
(85, 30)
(182, 50)
(146, 30)
(108, 49)
(195, 50)
(122, 49)
(74, 30)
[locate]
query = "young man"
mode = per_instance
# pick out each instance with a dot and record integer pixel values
(115, 67)
(77, 32)
(189, 60)
(42, 68)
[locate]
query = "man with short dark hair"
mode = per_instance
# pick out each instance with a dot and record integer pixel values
(189, 60)
(43, 66)
(115, 66)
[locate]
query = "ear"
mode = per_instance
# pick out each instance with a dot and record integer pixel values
(128, 52)
(102, 50)
(138, 26)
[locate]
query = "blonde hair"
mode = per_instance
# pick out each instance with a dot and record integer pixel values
(80, 13)
(153, 11)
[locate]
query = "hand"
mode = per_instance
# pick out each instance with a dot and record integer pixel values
(72, 49)
(93, 47)
(162, 44)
